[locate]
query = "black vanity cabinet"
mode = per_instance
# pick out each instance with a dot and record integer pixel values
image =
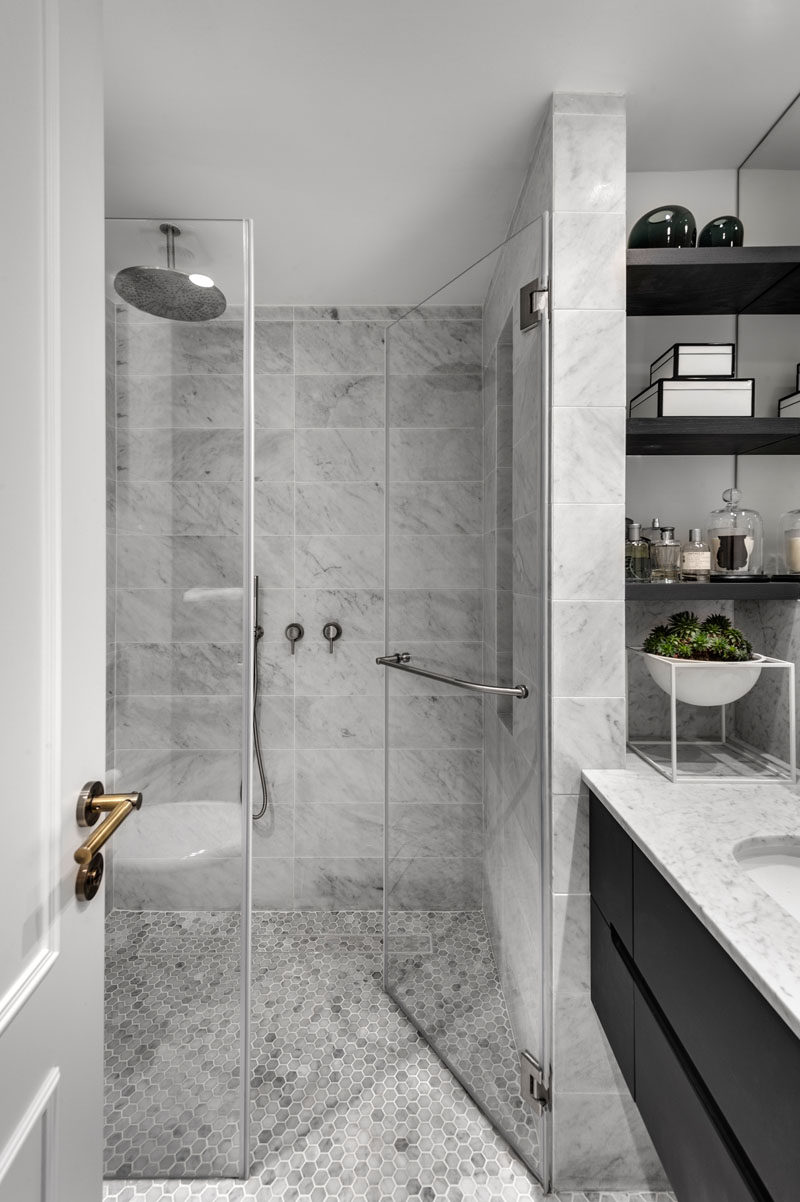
(714, 1070)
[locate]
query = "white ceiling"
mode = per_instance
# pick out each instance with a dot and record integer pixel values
(380, 144)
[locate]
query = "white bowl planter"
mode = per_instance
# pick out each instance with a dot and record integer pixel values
(705, 682)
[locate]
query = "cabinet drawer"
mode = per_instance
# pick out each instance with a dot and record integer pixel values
(743, 1051)
(696, 1160)
(611, 870)
(612, 995)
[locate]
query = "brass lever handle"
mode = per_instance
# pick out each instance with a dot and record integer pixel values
(92, 802)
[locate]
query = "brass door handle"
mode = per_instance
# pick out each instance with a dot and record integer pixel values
(92, 802)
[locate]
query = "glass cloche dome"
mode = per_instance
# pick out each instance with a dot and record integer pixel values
(736, 536)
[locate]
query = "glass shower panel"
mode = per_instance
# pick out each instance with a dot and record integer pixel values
(179, 427)
(464, 818)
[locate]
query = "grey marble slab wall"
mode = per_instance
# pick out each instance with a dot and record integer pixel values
(434, 577)
(599, 1141)
(762, 716)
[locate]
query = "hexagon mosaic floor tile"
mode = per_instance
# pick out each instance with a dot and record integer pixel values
(349, 1102)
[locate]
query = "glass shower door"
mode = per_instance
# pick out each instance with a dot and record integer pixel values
(179, 474)
(466, 945)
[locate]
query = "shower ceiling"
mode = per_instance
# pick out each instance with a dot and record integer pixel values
(381, 146)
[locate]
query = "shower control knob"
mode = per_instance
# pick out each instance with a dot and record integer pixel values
(331, 631)
(294, 632)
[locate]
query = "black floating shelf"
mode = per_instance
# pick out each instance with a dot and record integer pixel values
(713, 436)
(716, 590)
(719, 279)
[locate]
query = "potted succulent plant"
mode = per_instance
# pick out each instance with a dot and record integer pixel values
(717, 663)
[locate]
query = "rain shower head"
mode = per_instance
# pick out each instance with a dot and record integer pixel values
(165, 292)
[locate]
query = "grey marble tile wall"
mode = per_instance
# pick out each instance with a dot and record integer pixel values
(434, 575)
(320, 555)
(599, 1140)
(111, 558)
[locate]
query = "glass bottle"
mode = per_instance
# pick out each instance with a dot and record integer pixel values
(789, 541)
(637, 555)
(736, 536)
(652, 533)
(696, 558)
(665, 557)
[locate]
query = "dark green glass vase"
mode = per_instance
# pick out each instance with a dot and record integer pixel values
(722, 231)
(669, 225)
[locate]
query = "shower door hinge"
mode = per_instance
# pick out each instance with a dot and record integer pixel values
(535, 1090)
(533, 298)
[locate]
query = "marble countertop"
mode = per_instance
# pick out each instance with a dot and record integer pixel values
(688, 831)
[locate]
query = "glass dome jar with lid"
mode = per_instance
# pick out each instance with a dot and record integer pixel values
(789, 541)
(736, 536)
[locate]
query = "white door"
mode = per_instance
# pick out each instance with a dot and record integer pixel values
(52, 596)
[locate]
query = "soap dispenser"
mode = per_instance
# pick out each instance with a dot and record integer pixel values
(736, 536)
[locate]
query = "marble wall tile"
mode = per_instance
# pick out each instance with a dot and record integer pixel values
(588, 649)
(274, 561)
(274, 509)
(762, 716)
(526, 476)
(274, 402)
(271, 312)
(175, 348)
(435, 614)
(588, 358)
(526, 634)
(323, 401)
(165, 776)
(274, 455)
(526, 554)
(276, 608)
(435, 721)
(601, 743)
(433, 347)
(339, 454)
(354, 883)
(441, 400)
(210, 723)
(436, 562)
(275, 723)
(277, 668)
(273, 883)
(168, 668)
(601, 1138)
(344, 829)
(436, 776)
(328, 347)
(180, 830)
(333, 775)
(586, 564)
(443, 507)
(187, 507)
(338, 722)
(571, 844)
(589, 164)
(358, 611)
(336, 509)
(177, 615)
(180, 455)
(186, 561)
(272, 347)
(179, 401)
(273, 834)
(597, 104)
(585, 1061)
(350, 562)
(350, 671)
(435, 884)
(424, 829)
(571, 945)
(429, 454)
(589, 261)
(588, 463)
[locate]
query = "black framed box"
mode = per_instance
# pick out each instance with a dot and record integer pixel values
(695, 398)
(695, 360)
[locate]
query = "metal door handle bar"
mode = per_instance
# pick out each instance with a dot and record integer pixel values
(401, 660)
(93, 802)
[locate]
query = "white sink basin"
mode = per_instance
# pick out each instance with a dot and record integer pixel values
(774, 864)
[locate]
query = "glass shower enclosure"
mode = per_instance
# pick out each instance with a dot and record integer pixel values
(179, 389)
(467, 838)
